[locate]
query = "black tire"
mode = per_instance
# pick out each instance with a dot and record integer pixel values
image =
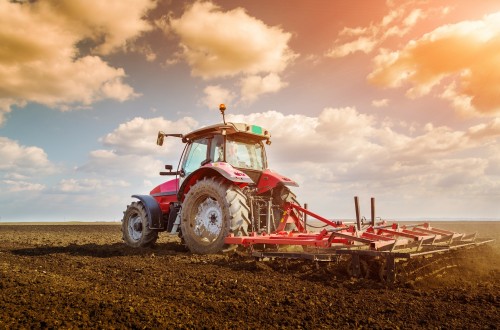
(212, 209)
(135, 226)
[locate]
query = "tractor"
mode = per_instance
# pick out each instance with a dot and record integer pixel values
(222, 187)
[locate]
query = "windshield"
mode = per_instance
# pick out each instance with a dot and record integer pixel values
(248, 154)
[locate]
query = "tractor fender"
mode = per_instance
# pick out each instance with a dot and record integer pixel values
(211, 170)
(270, 179)
(155, 215)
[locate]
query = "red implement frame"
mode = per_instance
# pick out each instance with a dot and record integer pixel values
(362, 239)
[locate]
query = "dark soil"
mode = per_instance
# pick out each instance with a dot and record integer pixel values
(83, 276)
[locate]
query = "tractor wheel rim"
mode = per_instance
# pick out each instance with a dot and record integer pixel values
(208, 220)
(135, 227)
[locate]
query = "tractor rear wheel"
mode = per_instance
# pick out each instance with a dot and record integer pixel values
(212, 209)
(135, 226)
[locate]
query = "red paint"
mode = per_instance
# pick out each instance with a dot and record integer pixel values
(170, 186)
(269, 180)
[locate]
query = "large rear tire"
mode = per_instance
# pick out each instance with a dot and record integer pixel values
(135, 226)
(212, 209)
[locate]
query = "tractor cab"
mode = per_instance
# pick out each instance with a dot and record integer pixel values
(239, 145)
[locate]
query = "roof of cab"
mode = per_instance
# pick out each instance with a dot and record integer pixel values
(252, 131)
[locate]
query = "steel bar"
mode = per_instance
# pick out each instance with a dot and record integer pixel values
(372, 208)
(314, 215)
(398, 233)
(358, 219)
(305, 216)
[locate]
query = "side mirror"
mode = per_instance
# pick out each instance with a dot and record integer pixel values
(169, 169)
(160, 138)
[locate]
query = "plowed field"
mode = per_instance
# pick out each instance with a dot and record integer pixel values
(83, 276)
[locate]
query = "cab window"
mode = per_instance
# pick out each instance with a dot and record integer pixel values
(217, 149)
(245, 154)
(197, 153)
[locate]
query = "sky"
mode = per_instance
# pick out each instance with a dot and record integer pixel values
(397, 100)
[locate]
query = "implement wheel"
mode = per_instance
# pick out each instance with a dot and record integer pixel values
(135, 227)
(357, 267)
(210, 212)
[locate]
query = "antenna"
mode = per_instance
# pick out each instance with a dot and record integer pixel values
(222, 108)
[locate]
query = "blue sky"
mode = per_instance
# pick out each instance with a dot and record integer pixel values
(392, 99)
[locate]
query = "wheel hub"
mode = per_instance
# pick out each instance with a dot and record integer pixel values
(135, 227)
(138, 226)
(208, 220)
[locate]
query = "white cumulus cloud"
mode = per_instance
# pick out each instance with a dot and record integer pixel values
(254, 86)
(223, 44)
(217, 43)
(21, 165)
(23, 160)
(457, 61)
(18, 186)
(40, 60)
(215, 95)
(132, 151)
(138, 136)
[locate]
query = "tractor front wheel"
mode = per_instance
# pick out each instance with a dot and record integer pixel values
(212, 209)
(135, 227)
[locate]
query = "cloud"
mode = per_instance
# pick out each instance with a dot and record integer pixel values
(226, 44)
(20, 165)
(484, 131)
(110, 24)
(345, 149)
(334, 134)
(215, 95)
(380, 103)
(398, 22)
(221, 44)
(457, 61)
(254, 86)
(18, 186)
(133, 151)
(138, 136)
(88, 185)
(106, 163)
(28, 160)
(49, 65)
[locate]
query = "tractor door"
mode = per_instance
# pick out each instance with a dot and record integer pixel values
(195, 156)
(203, 151)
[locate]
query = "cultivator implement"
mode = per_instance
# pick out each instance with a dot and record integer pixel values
(372, 249)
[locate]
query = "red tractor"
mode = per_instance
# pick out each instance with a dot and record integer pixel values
(222, 187)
